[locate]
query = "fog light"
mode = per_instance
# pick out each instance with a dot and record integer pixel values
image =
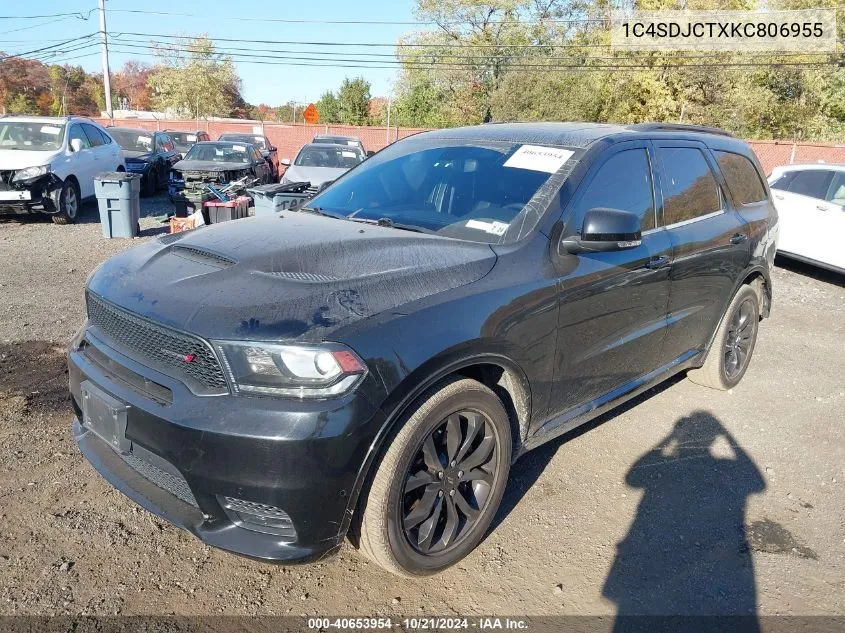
(259, 517)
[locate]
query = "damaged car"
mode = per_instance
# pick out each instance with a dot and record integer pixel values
(372, 364)
(48, 164)
(267, 149)
(150, 154)
(218, 165)
(184, 141)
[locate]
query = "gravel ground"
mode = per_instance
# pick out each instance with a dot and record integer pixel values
(685, 501)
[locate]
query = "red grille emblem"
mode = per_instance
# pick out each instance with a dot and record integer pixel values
(188, 358)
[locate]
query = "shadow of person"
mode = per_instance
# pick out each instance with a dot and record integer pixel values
(686, 553)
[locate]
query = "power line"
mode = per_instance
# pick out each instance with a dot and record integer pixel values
(234, 50)
(543, 67)
(400, 58)
(82, 15)
(45, 48)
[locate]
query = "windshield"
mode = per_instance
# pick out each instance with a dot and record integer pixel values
(258, 141)
(183, 139)
(334, 157)
(31, 135)
(132, 140)
(219, 153)
(471, 189)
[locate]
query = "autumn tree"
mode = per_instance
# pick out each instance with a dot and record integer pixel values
(131, 85)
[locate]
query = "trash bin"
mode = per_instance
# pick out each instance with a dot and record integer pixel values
(119, 202)
(277, 197)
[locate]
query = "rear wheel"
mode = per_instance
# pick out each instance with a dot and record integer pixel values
(149, 185)
(68, 203)
(440, 481)
(733, 345)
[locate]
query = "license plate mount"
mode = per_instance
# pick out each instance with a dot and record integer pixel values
(16, 196)
(105, 416)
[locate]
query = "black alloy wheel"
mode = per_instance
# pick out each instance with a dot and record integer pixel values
(449, 482)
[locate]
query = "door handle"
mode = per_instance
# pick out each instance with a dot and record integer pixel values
(821, 207)
(739, 238)
(657, 262)
(779, 197)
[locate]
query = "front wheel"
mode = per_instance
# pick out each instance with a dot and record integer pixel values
(733, 345)
(440, 481)
(68, 203)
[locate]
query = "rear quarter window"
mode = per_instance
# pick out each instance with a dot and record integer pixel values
(741, 177)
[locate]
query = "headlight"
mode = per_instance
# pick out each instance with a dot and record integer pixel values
(299, 371)
(31, 173)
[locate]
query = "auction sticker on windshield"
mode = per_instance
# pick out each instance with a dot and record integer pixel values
(494, 228)
(539, 158)
(50, 129)
(239, 148)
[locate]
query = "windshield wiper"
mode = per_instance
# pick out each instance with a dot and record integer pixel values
(391, 224)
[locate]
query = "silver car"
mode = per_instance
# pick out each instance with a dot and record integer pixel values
(319, 163)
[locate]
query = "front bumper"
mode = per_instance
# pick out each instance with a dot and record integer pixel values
(35, 198)
(301, 458)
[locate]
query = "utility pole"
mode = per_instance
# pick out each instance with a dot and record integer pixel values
(388, 119)
(105, 47)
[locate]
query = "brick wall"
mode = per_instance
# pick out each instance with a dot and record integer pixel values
(289, 138)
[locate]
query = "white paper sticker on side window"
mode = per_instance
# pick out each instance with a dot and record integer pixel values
(494, 228)
(50, 129)
(539, 158)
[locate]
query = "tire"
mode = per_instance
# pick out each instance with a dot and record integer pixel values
(396, 530)
(149, 184)
(733, 345)
(68, 203)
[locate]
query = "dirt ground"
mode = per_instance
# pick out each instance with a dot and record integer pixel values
(722, 502)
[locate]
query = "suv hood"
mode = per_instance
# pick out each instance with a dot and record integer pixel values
(299, 277)
(21, 158)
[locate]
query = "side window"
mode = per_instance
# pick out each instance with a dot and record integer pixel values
(93, 134)
(742, 177)
(690, 188)
(160, 143)
(256, 156)
(811, 182)
(836, 193)
(167, 143)
(77, 134)
(783, 181)
(624, 183)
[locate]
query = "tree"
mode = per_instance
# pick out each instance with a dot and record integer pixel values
(194, 80)
(329, 107)
(354, 101)
(131, 85)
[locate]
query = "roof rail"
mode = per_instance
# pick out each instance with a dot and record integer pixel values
(678, 127)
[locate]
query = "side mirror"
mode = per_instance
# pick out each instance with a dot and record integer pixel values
(605, 230)
(272, 148)
(285, 162)
(75, 145)
(370, 153)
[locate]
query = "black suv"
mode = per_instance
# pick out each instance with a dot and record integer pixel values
(374, 363)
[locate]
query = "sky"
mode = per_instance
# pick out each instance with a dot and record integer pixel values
(270, 84)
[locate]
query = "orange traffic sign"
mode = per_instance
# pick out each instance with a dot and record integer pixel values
(311, 114)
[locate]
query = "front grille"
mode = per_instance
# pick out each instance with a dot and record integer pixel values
(311, 191)
(159, 347)
(174, 484)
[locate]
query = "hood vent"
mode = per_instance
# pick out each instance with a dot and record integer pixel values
(203, 256)
(311, 278)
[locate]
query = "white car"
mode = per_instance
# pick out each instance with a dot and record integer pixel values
(48, 164)
(810, 200)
